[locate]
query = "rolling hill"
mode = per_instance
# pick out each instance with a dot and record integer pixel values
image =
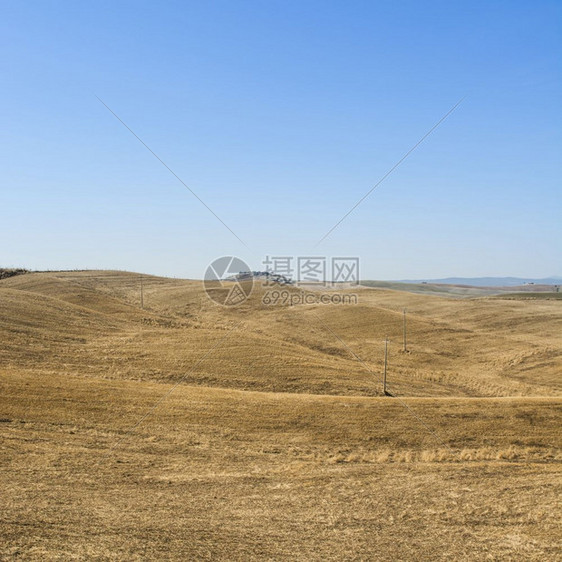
(187, 430)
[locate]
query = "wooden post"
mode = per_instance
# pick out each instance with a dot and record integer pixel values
(385, 364)
(404, 330)
(141, 294)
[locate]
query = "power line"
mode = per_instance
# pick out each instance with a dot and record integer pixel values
(170, 170)
(389, 172)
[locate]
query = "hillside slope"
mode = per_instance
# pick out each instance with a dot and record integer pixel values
(468, 347)
(189, 431)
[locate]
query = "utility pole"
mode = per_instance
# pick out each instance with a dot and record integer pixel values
(385, 364)
(404, 331)
(141, 293)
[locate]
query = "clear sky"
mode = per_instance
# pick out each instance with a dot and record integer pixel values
(281, 115)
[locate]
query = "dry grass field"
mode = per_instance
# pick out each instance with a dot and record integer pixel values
(189, 431)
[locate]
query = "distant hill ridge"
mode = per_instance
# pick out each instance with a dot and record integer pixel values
(488, 281)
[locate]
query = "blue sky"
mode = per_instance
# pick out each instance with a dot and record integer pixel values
(280, 115)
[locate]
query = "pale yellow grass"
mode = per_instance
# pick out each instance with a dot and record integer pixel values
(278, 445)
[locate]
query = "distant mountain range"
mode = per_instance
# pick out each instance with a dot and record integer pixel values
(488, 281)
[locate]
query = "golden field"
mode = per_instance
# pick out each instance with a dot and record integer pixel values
(190, 431)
